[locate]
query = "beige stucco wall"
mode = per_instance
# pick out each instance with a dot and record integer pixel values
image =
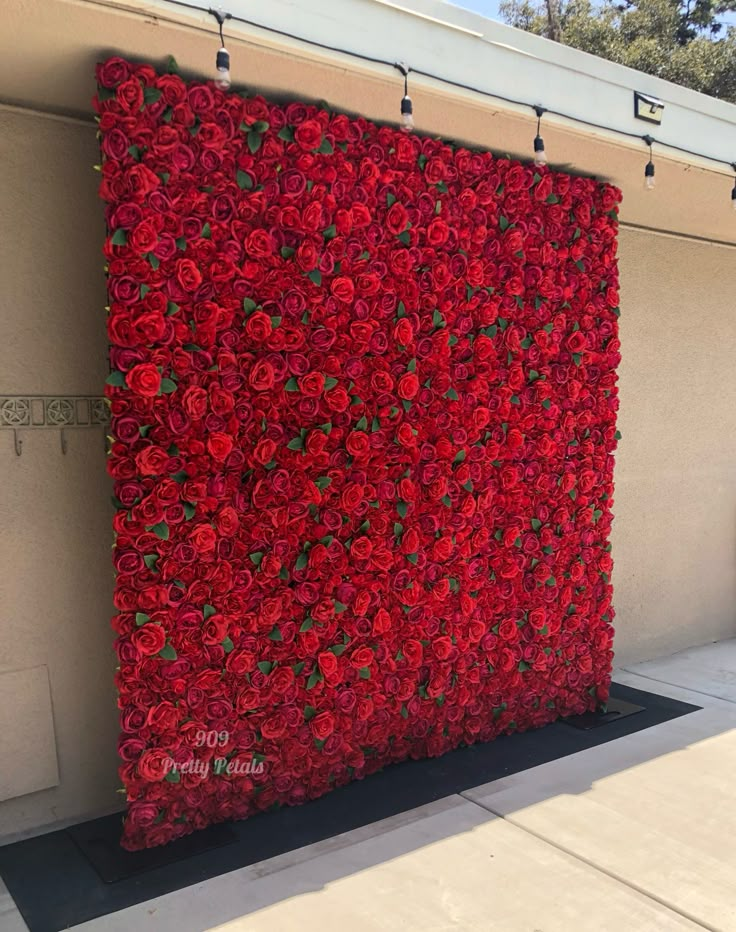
(674, 537)
(675, 530)
(55, 511)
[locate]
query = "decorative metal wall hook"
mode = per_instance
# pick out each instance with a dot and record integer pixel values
(62, 435)
(18, 443)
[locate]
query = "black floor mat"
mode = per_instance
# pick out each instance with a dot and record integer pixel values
(55, 885)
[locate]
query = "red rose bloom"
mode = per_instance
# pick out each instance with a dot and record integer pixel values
(144, 379)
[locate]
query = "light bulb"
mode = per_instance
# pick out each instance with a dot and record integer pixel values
(649, 176)
(540, 156)
(222, 78)
(407, 114)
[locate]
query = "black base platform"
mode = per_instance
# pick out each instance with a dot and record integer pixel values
(55, 885)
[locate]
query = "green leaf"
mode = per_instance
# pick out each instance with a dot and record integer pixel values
(256, 557)
(275, 634)
(141, 618)
(160, 530)
(536, 524)
(301, 561)
(330, 232)
(286, 133)
(298, 667)
(412, 558)
(315, 276)
(151, 95)
(208, 611)
(295, 444)
(119, 238)
(340, 607)
(446, 500)
(322, 482)
(135, 152)
(117, 379)
(330, 383)
(523, 666)
(306, 624)
(402, 508)
(276, 321)
(292, 385)
(546, 404)
(618, 435)
(150, 559)
(390, 199)
(180, 477)
(459, 456)
(167, 386)
(315, 678)
(362, 424)
(364, 673)
(245, 182)
(326, 147)
(287, 252)
(228, 645)
(503, 223)
(438, 320)
(265, 666)
(309, 712)
(173, 776)
(171, 308)
(206, 231)
(404, 238)
(254, 141)
(167, 652)
(189, 510)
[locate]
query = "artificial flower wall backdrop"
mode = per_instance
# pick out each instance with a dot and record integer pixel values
(363, 401)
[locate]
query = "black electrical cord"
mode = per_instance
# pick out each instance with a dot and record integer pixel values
(404, 69)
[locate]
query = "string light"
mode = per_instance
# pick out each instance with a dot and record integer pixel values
(222, 62)
(540, 156)
(375, 60)
(649, 167)
(407, 108)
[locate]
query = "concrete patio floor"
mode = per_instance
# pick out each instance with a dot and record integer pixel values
(635, 834)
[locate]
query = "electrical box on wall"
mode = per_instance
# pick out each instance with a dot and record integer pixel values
(648, 108)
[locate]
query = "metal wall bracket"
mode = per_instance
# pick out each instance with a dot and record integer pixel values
(52, 412)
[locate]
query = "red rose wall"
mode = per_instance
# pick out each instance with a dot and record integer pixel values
(363, 401)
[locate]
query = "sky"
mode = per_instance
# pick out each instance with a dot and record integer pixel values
(489, 8)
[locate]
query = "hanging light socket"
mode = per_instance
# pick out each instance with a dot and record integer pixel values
(407, 108)
(540, 156)
(222, 61)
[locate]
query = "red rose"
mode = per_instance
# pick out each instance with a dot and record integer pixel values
(396, 219)
(188, 275)
(154, 764)
(308, 135)
(328, 663)
(343, 289)
(203, 539)
(144, 379)
(408, 386)
(261, 377)
(194, 402)
(151, 461)
(130, 95)
(149, 639)
(259, 327)
(312, 385)
(219, 445)
(322, 726)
